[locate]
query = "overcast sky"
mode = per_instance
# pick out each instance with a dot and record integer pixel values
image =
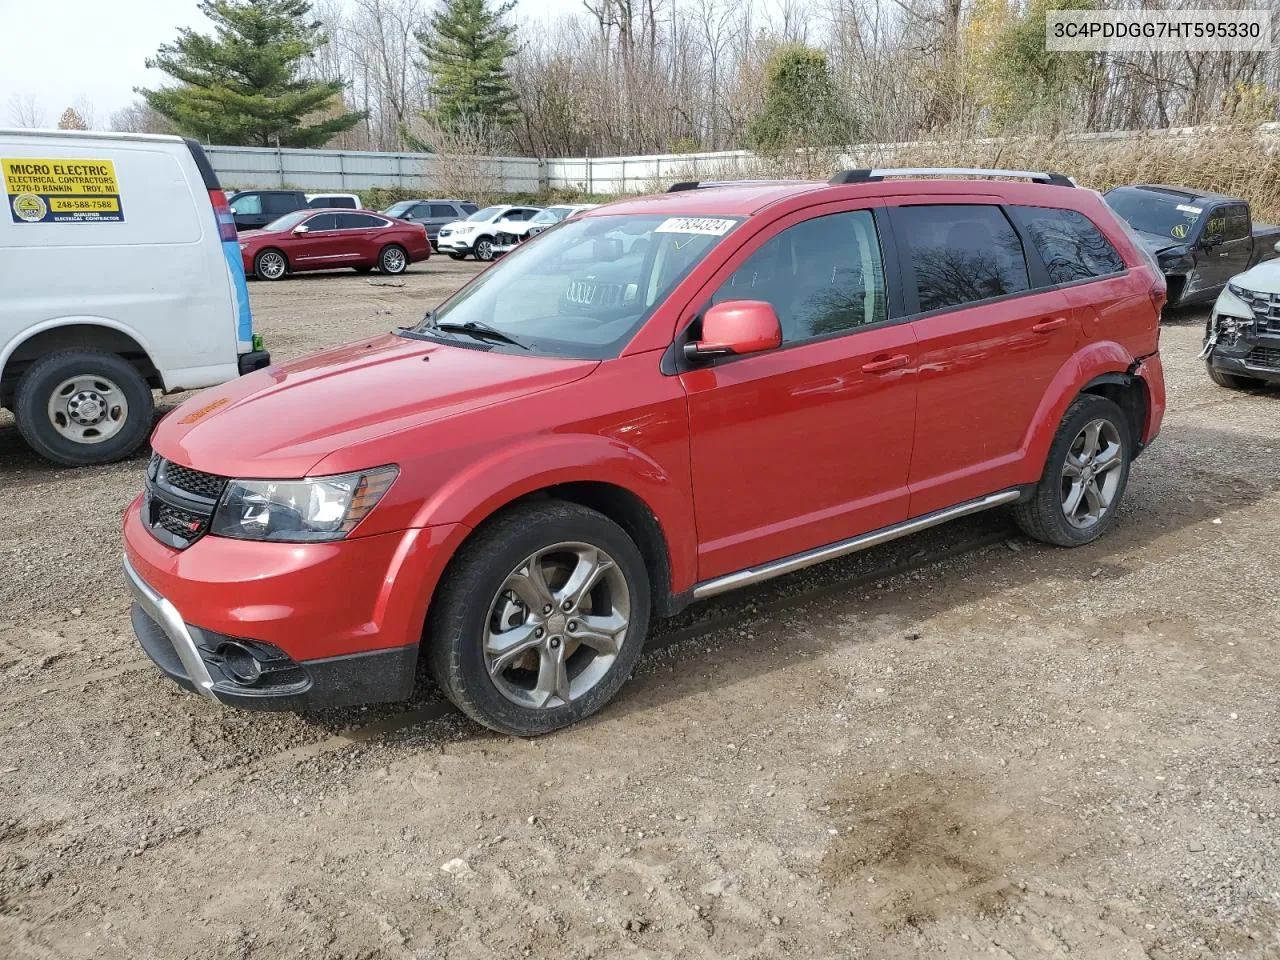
(94, 50)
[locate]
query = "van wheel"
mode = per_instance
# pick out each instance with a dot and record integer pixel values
(541, 618)
(79, 407)
(270, 265)
(484, 249)
(1084, 478)
(1230, 380)
(393, 259)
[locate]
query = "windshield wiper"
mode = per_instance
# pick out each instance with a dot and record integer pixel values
(479, 330)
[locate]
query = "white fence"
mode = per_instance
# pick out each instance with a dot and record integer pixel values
(316, 170)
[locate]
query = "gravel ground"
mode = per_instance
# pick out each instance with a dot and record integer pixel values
(962, 744)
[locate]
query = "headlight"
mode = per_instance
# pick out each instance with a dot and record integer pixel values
(294, 511)
(1240, 293)
(464, 228)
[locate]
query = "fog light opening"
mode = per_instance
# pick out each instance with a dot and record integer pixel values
(240, 664)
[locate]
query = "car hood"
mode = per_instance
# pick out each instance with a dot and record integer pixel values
(248, 236)
(281, 421)
(1156, 243)
(1264, 278)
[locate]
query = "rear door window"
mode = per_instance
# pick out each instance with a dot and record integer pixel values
(442, 211)
(1237, 222)
(1069, 243)
(822, 276)
(960, 253)
(279, 203)
(359, 221)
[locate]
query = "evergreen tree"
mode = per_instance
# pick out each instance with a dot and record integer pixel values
(465, 50)
(802, 108)
(243, 86)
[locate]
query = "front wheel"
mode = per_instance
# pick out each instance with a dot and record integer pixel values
(484, 249)
(457, 256)
(1084, 478)
(540, 619)
(79, 407)
(393, 259)
(1230, 380)
(270, 265)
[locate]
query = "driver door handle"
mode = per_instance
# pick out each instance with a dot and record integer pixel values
(885, 364)
(1048, 326)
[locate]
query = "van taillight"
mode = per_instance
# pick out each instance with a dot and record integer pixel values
(222, 213)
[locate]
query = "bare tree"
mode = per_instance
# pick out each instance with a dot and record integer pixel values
(25, 110)
(138, 117)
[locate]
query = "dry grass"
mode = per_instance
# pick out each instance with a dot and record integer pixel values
(1236, 160)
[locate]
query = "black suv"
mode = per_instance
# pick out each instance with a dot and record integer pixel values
(432, 214)
(256, 208)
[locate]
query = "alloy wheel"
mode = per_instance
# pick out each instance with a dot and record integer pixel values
(556, 625)
(393, 260)
(1091, 473)
(272, 265)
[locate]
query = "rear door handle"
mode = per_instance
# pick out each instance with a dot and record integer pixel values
(884, 364)
(1048, 326)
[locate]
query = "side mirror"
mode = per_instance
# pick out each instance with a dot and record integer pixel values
(1212, 241)
(233, 210)
(302, 228)
(734, 328)
(1276, 247)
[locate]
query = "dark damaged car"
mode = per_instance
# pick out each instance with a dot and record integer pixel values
(1200, 240)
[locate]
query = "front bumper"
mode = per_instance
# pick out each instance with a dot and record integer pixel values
(330, 623)
(211, 664)
(1245, 341)
(1254, 357)
(453, 244)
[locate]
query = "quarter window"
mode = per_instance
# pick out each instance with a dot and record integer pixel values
(821, 276)
(1071, 247)
(961, 253)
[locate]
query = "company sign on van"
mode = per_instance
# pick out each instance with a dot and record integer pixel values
(62, 191)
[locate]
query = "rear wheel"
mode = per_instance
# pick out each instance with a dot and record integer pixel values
(457, 256)
(79, 407)
(393, 259)
(270, 265)
(1084, 478)
(484, 249)
(1230, 380)
(540, 619)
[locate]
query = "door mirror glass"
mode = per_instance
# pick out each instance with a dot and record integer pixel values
(302, 228)
(734, 328)
(1277, 246)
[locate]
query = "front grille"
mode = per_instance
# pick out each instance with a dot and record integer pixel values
(193, 481)
(1265, 357)
(182, 524)
(179, 502)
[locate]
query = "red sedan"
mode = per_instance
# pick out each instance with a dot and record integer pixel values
(329, 239)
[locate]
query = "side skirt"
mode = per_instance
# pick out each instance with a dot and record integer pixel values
(831, 551)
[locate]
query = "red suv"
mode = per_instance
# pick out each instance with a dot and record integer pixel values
(661, 400)
(330, 239)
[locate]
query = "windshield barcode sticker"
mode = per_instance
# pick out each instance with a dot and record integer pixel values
(704, 226)
(1194, 211)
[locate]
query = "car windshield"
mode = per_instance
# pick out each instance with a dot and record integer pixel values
(583, 289)
(1164, 214)
(289, 220)
(550, 215)
(396, 209)
(488, 213)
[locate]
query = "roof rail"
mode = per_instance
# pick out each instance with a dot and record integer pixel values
(870, 176)
(700, 184)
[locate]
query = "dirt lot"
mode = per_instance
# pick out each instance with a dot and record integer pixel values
(964, 744)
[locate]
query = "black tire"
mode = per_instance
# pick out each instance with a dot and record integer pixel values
(363, 269)
(457, 256)
(393, 259)
(483, 249)
(46, 375)
(1042, 515)
(1230, 380)
(267, 271)
(460, 611)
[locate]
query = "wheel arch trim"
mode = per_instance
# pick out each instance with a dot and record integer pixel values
(27, 334)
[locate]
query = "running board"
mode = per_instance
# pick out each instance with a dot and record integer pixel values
(831, 551)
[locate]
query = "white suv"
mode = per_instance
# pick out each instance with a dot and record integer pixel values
(476, 233)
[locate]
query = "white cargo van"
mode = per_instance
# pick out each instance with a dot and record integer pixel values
(120, 273)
